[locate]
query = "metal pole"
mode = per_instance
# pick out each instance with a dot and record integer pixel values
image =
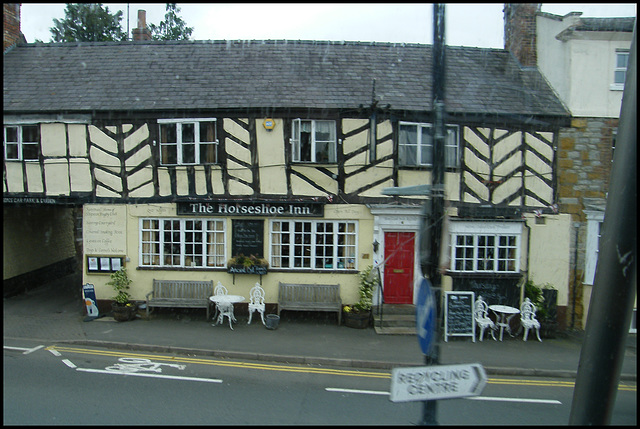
(429, 414)
(614, 289)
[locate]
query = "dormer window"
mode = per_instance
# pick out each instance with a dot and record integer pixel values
(188, 141)
(313, 141)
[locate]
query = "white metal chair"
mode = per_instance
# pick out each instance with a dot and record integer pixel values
(226, 309)
(219, 290)
(481, 315)
(256, 302)
(528, 318)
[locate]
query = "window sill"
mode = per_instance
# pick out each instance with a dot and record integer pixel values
(616, 87)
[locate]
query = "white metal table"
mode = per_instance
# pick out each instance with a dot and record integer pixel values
(225, 306)
(501, 311)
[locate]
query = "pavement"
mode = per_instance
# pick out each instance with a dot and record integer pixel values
(54, 314)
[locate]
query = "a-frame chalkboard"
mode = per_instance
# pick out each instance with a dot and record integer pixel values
(458, 315)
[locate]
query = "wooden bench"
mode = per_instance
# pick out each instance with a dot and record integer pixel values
(310, 297)
(180, 293)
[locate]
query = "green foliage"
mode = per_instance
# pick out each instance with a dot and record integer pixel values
(368, 281)
(247, 261)
(172, 28)
(534, 293)
(88, 22)
(120, 282)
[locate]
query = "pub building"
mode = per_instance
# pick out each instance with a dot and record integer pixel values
(170, 158)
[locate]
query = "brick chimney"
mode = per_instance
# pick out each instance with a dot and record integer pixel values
(142, 32)
(520, 31)
(11, 25)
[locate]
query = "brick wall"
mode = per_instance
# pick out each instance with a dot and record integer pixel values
(520, 31)
(10, 24)
(584, 165)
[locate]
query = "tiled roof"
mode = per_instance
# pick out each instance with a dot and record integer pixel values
(137, 76)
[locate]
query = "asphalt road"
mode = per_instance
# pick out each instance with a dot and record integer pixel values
(66, 384)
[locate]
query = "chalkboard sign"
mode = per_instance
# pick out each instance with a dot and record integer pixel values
(458, 315)
(248, 237)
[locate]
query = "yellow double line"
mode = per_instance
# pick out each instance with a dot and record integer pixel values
(308, 370)
(225, 363)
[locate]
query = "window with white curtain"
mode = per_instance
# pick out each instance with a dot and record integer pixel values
(594, 225)
(317, 245)
(198, 243)
(415, 145)
(313, 141)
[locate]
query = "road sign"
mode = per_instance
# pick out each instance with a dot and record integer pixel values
(437, 382)
(425, 316)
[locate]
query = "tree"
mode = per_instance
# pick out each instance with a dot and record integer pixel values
(88, 22)
(172, 28)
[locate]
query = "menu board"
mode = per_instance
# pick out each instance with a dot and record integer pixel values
(248, 237)
(458, 314)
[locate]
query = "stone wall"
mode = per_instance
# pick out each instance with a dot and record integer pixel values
(585, 154)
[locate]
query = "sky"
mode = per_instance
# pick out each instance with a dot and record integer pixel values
(478, 25)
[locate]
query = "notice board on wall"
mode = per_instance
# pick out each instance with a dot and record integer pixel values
(458, 314)
(248, 237)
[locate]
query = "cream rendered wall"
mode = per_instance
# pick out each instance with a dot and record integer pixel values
(549, 253)
(273, 178)
(580, 67)
(592, 67)
(143, 278)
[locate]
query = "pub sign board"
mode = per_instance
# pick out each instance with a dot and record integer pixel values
(250, 208)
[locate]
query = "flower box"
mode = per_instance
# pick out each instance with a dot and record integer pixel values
(243, 269)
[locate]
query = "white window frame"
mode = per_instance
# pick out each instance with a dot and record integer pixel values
(342, 251)
(296, 139)
(150, 256)
(451, 144)
(617, 69)
(20, 143)
(476, 233)
(595, 220)
(179, 144)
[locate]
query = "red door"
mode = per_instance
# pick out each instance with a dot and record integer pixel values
(398, 268)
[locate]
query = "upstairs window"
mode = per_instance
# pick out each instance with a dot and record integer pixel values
(22, 142)
(313, 141)
(620, 70)
(415, 145)
(188, 141)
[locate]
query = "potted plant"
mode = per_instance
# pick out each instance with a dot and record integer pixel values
(545, 300)
(358, 315)
(123, 308)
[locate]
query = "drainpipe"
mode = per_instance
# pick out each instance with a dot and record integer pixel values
(526, 278)
(576, 225)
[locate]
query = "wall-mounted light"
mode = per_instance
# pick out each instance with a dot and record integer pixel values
(376, 245)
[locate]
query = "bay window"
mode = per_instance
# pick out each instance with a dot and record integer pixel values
(485, 247)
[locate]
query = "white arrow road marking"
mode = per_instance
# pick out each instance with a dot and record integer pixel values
(55, 352)
(533, 401)
(365, 392)
(69, 363)
(25, 350)
(173, 377)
